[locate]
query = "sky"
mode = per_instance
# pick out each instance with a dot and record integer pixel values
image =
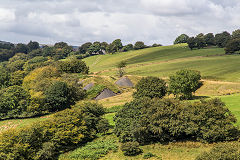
(80, 21)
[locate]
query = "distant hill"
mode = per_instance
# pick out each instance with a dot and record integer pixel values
(4, 42)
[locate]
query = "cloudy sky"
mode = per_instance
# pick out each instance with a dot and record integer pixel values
(79, 21)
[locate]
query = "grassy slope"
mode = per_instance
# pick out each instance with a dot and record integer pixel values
(163, 61)
(232, 102)
(17, 123)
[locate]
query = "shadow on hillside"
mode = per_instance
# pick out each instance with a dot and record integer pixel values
(200, 97)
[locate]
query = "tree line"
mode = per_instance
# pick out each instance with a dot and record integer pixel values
(61, 50)
(230, 42)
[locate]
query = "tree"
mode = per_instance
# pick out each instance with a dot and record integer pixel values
(73, 66)
(58, 97)
(139, 45)
(84, 47)
(118, 44)
(33, 45)
(191, 43)
(152, 87)
(209, 39)
(120, 67)
(236, 34)
(184, 83)
(200, 35)
(21, 48)
(158, 45)
(165, 120)
(60, 45)
(115, 46)
(4, 77)
(35, 53)
(200, 43)
(17, 78)
(6, 45)
(126, 48)
(233, 46)
(44, 140)
(222, 39)
(5, 54)
(48, 51)
(104, 46)
(14, 101)
(95, 48)
(183, 38)
(16, 62)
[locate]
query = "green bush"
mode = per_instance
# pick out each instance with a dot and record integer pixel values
(150, 87)
(14, 101)
(222, 151)
(148, 155)
(60, 96)
(131, 148)
(63, 131)
(4, 77)
(184, 83)
(73, 66)
(151, 120)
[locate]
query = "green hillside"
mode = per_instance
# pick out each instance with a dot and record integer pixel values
(165, 60)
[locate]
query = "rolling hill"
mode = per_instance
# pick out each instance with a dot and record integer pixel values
(165, 60)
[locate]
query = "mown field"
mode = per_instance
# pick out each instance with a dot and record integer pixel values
(166, 60)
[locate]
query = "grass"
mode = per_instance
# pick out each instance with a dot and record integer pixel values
(17, 123)
(166, 60)
(171, 151)
(93, 150)
(218, 88)
(232, 102)
(116, 100)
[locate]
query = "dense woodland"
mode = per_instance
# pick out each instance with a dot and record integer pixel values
(37, 81)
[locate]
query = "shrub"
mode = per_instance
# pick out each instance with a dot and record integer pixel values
(131, 148)
(148, 155)
(60, 96)
(150, 87)
(150, 120)
(44, 140)
(184, 83)
(41, 78)
(17, 78)
(14, 101)
(222, 151)
(73, 66)
(4, 77)
(34, 63)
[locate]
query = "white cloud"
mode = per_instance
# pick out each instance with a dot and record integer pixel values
(6, 15)
(78, 21)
